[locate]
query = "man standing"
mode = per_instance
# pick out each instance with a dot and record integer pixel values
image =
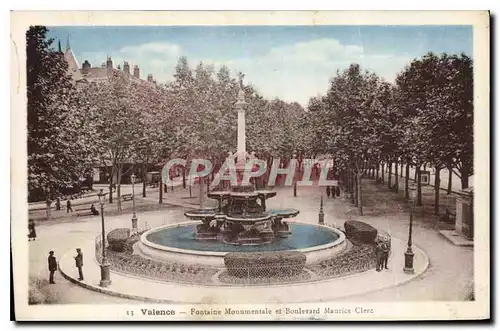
(52, 266)
(379, 256)
(68, 206)
(79, 263)
(58, 204)
(385, 255)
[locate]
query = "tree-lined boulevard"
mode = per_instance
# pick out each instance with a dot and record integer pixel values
(375, 137)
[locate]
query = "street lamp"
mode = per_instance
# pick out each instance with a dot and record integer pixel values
(134, 216)
(105, 281)
(408, 268)
(321, 214)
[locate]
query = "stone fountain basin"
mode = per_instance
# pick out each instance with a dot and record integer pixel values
(284, 213)
(151, 250)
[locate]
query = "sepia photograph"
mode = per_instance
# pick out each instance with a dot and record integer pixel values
(224, 166)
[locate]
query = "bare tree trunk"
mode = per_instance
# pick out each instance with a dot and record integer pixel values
(360, 199)
(48, 209)
(377, 172)
(160, 188)
(111, 175)
(450, 178)
(437, 184)
(396, 180)
(356, 192)
(201, 192)
(464, 176)
(407, 180)
(144, 179)
(389, 178)
(118, 188)
(184, 177)
(419, 187)
(383, 173)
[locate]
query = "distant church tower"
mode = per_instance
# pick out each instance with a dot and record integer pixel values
(73, 67)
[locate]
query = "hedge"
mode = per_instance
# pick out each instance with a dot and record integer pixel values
(360, 231)
(264, 264)
(117, 239)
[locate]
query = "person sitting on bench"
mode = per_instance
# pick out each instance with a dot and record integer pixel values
(447, 217)
(93, 210)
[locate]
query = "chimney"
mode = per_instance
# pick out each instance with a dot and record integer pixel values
(109, 63)
(126, 68)
(136, 71)
(85, 67)
(150, 78)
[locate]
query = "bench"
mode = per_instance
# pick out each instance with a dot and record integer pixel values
(83, 212)
(127, 197)
(448, 217)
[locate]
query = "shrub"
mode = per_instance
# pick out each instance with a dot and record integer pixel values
(360, 231)
(118, 238)
(264, 264)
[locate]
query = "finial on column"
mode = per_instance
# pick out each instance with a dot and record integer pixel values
(241, 96)
(321, 215)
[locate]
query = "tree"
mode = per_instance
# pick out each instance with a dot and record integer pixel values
(436, 94)
(60, 136)
(115, 102)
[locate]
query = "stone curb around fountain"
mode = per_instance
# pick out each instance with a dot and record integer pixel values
(137, 288)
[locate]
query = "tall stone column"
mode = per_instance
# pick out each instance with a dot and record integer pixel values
(241, 152)
(464, 224)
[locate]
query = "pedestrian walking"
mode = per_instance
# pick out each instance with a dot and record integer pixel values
(31, 230)
(68, 206)
(52, 266)
(58, 204)
(79, 263)
(385, 254)
(379, 256)
(328, 191)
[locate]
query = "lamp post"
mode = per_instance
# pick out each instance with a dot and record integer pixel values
(105, 281)
(134, 216)
(408, 268)
(321, 214)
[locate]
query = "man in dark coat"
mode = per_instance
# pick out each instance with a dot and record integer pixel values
(58, 204)
(328, 191)
(68, 206)
(79, 263)
(385, 255)
(52, 266)
(379, 256)
(31, 230)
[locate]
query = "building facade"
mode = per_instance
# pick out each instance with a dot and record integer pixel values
(86, 73)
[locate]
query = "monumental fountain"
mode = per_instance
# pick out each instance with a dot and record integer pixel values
(239, 222)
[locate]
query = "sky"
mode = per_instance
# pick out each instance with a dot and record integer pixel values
(292, 63)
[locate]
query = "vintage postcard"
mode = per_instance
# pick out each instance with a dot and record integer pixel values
(273, 166)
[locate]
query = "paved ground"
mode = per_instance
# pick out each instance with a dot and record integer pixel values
(325, 290)
(448, 277)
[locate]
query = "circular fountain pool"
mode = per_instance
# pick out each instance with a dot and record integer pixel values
(177, 243)
(303, 236)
